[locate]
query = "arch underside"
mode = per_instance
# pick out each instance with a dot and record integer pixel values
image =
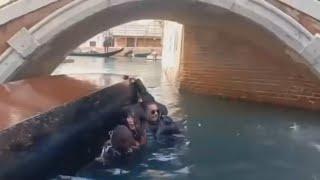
(65, 29)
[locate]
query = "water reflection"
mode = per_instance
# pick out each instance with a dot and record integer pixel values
(225, 139)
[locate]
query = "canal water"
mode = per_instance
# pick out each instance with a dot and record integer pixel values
(224, 139)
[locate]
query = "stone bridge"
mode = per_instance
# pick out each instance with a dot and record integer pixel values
(257, 50)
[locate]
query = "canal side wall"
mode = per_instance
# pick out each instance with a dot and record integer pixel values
(218, 63)
(172, 41)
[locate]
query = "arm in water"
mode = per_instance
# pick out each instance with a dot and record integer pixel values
(167, 126)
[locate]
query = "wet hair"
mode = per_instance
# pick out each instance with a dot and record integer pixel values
(125, 77)
(137, 112)
(147, 98)
(122, 138)
(145, 104)
(162, 108)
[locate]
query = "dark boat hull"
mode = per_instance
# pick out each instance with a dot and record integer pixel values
(97, 54)
(129, 53)
(141, 55)
(63, 139)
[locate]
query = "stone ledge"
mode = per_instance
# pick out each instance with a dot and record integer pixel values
(21, 8)
(23, 42)
(312, 51)
(285, 28)
(317, 67)
(310, 7)
(258, 11)
(227, 4)
(9, 66)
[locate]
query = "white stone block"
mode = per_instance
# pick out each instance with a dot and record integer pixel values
(316, 67)
(312, 51)
(23, 42)
(8, 66)
(227, 4)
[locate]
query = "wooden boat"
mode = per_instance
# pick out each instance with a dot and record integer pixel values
(49, 124)
(128, 53)
(141, 55)
(96, 54)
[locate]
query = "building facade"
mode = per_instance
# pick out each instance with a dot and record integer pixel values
(141, 36)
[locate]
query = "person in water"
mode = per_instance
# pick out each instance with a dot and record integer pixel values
(156, 114)
(134, 119)
(146, 97)
(120, 147)
(129, 136)
(158, 123)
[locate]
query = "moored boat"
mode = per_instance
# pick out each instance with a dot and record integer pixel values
(96, 54)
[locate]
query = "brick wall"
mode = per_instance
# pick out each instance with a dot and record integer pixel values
(218, 63)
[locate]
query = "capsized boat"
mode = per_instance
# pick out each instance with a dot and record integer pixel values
(55, 124)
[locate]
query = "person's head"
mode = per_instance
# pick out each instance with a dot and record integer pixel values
(131, 122)
(134, 118)
(152, 112)
(147, 97)
(130, 119)
(122, 138)
(125, 77)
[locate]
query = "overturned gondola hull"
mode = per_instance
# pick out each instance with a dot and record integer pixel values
(63, 138)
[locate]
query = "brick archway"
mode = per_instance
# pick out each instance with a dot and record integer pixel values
(45, 44)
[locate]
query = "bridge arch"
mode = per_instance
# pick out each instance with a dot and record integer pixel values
(41, 48)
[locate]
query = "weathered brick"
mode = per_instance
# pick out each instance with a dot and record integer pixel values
(231, 66)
